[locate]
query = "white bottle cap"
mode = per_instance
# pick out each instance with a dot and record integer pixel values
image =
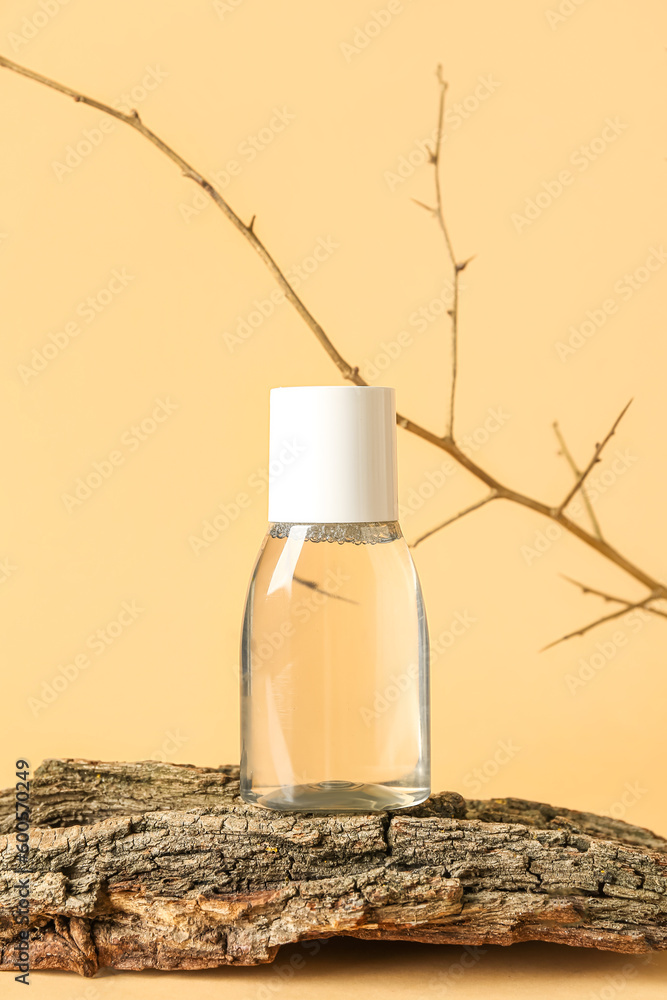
(332, 454)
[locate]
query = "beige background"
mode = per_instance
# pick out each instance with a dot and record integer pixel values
(167, 686)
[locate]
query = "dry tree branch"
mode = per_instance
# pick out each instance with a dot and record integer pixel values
(446, 442)
(462, 513)
(567, 455)
(457, 266)
(585, 589)
(596, 458)
(599, 621)
(627, 606)
(440, 215)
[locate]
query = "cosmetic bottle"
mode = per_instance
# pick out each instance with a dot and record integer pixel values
(334, 649)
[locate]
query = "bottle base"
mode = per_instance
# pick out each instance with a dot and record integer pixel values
(336, 797)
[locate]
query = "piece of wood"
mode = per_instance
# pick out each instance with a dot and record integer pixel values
(150, 865)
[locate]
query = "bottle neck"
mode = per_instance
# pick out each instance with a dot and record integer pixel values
(356, 532)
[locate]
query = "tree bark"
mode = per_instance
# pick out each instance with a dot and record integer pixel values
(150, 865)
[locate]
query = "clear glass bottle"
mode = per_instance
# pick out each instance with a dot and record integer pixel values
(334, 650)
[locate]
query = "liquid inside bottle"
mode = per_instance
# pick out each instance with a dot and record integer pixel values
(334, 688)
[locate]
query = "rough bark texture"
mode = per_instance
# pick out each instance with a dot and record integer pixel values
(150, 865)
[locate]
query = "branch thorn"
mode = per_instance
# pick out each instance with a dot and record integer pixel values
(429, 208)
(462, 266)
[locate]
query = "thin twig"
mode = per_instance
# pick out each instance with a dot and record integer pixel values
(349, 372)
(462, 513)
(585, 589)
(439, 213)
(598, 621)
(596, 458)
(565, 452)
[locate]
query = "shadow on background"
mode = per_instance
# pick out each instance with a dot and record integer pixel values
(347, 967)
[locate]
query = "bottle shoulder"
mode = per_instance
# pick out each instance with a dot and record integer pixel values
(362, 550)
